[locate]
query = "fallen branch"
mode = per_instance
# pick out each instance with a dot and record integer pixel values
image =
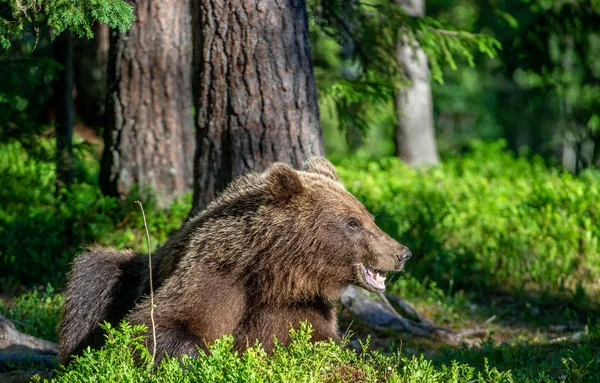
(13, 341)
(479, 330)
(572, 338)
(382, 316)
(17, 348)
(405, 309)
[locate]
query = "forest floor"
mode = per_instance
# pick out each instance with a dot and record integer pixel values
(536, 337)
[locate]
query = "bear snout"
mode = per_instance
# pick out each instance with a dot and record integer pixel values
(403, 256)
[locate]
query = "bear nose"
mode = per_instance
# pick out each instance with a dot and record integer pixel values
(404, 255)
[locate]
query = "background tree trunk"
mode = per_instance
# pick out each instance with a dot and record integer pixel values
(91, 56)
(415, 136)
(63, 100)
(149, 136)
(255, 94)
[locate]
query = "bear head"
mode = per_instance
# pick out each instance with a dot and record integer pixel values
(323, 235)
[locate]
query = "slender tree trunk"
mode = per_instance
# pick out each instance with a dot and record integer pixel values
(91, 56)
(415, 137)
(149, 138)
(255, 94)
(595, 161)
(63, 98)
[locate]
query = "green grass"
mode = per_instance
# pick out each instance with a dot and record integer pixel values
(568, 361)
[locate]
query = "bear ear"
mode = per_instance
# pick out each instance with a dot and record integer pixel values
(321, 166)
(284, 182)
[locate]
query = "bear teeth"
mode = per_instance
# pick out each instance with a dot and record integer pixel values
(374, 278)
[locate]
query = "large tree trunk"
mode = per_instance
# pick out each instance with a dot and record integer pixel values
(63, 101)
(91, 56)
(149, 139)
(415, 137)
(255, 94)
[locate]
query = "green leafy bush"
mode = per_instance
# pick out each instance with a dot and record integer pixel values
(35, 313)
(488, 218)
(125, 359)
(41, 231)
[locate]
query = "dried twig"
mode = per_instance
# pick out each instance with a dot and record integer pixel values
(478, 330)
(405, 309)
(426, 327)
(151, 289)
(572, 338)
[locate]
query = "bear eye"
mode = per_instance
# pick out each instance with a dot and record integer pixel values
(353, 224)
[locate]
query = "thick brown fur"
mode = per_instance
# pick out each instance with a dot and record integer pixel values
(275, 249)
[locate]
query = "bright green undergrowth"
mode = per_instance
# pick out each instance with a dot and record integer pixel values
(36, 313)
(124, 359)
(40, 232)
(301, 361)
(566, 361)
(487, 219)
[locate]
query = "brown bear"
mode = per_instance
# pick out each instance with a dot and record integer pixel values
(273, 250)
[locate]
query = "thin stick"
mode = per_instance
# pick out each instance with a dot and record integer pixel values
(151, 289)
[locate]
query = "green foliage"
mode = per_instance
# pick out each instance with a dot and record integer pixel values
(571, 361)
(26, 66)
(542, 91)
(23, 90)
(356, 66)
(79, 16)
(300, 361)
(115, 362)
(60, 15)
(375, 28)
(441, 44)
(488, 219)
(125, 359)
(35, 313)
(41, 231)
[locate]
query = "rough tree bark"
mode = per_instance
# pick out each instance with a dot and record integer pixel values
(63, 100)
(149, 138)
(415, 137)
(255, 94)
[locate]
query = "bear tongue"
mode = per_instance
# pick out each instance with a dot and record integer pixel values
(374, 278)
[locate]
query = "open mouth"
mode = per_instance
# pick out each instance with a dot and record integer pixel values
(373, 278)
